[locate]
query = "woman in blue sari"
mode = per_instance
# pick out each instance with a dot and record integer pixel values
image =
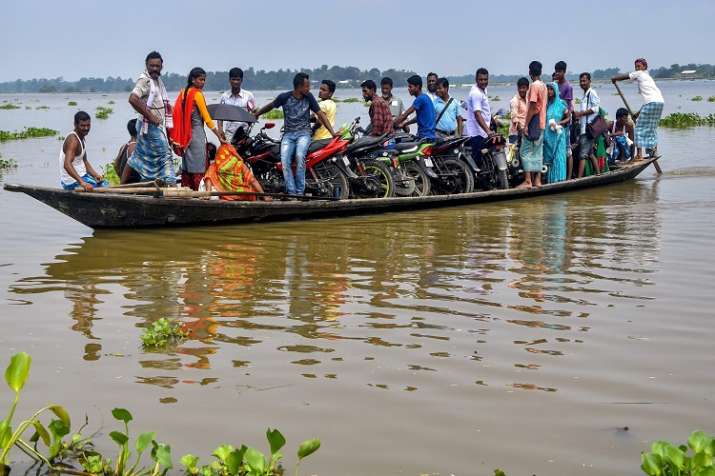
(555, 136)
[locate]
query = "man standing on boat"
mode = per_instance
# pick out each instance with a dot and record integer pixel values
(152, 158)
(649, 115)
(236, 96)
(297, 105)
(589, 109)
(479, 115)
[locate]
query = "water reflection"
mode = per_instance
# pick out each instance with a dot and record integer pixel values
(417, 291)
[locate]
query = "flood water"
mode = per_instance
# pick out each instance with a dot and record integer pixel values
(525, 335)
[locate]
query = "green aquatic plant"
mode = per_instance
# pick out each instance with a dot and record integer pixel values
(711, 99)
(110, 102)
(27, 133)
(350, 100)
(110, 174)
(247, 461)
(16, 376)
(103, 112)
(694, 459)
(696, 98)
(8, 106)
(72, 103)
(42, 108)
(162, 333)
(681, 120)
(6, 164)
(274, 114)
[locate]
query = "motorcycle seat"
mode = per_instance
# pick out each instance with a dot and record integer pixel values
(365, 142)
(406, 146)
(317, 145)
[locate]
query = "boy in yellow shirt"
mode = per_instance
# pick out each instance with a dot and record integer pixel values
(327, 105)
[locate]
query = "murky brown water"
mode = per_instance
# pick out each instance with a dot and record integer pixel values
(523, 335)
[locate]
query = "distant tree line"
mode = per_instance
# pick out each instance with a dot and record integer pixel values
(345, 76)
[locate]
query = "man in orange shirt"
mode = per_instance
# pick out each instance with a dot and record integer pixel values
(532, 145)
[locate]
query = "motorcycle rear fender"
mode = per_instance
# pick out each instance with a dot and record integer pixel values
(344, 168)
(427, 170)
(470, 162)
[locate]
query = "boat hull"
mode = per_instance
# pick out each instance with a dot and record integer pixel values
(108, 210)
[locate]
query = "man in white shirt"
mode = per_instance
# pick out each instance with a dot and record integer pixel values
(646, 133)
(587, 113)
(236, 97)
(432, 79)
(479, 115)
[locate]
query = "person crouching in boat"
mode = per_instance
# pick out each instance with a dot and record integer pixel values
(75, 169)
(188, 133)
(152, 158)
(228, 172)
(649, 116)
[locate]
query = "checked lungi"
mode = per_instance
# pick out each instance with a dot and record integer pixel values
(152, 157)
(646, 133)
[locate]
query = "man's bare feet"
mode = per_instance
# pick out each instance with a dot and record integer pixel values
(523, 185)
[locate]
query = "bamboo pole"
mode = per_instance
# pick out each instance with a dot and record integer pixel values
(188, 193)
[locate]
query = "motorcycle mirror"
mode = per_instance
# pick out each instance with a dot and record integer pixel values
(269, 125)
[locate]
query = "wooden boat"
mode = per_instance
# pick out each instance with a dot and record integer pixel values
(114, 210)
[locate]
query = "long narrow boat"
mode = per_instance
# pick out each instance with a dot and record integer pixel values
(114, 210)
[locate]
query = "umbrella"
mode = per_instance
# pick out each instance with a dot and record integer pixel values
(228, 112)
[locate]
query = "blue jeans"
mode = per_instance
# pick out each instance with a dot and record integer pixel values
(294, 143)
(620, 146)
(87, 178)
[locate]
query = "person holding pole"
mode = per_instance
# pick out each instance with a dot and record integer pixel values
(648, 118)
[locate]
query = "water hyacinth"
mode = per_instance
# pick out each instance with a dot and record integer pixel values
(681, 120)
(27, 133)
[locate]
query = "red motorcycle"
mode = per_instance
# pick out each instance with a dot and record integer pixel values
(326, 167)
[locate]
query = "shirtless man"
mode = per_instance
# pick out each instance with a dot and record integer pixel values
(75, 170)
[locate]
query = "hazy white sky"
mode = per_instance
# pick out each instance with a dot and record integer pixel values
(50, 38)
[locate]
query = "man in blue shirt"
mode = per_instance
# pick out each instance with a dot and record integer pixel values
(422, 107)
(297, 105)
(448, 121)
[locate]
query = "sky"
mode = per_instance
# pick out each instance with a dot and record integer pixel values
(99, 38)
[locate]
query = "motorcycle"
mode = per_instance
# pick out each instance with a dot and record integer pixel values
(326, 169)
(452, 168)
(493, 173)
(374, 178)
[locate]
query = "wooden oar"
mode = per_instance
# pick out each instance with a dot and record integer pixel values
(634, 116)
(188, 193)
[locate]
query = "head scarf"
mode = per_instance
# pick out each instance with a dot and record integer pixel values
(555, 109)
(643, 62)
(555, 86)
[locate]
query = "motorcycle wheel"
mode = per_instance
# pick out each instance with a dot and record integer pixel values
(422, 183)
(458, 178)
(334, 183)
(376, 182)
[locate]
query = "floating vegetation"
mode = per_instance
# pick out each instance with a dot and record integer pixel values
(694, 459)
(28, 107)
(682, 120)
(6, 164)
(349, 100)
(8, 106)
(274, 114)
(28, 133)
(696, 98)
(494, 98)
(42, 108)
(110, 102)
(72, 103)
(163, 332)
(49, 446)
(103, 112)
(711, 99)
(110, 174)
